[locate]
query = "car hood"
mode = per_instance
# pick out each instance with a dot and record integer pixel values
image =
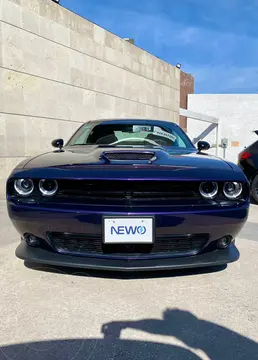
(93, 155)
(91, 162)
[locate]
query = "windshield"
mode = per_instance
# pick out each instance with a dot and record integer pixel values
(130, 135)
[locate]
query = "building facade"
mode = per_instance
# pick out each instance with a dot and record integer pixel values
(58, 70)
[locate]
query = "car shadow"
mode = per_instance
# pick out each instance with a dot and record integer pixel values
(200, 339)
(123, 275)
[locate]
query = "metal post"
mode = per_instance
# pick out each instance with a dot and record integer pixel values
(217, 140)
(206, 118)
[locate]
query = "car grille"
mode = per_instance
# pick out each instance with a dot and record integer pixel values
(82, 244)
(126, 192)
(128, 155)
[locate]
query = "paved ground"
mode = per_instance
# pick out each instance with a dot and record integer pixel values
(61, 315)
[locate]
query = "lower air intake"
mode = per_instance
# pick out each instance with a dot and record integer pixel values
(83, 244)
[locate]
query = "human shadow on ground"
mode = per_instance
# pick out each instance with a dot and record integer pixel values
(216, 342)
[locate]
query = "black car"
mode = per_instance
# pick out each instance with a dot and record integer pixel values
(248, 162)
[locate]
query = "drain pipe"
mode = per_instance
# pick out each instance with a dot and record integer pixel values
(224, 145)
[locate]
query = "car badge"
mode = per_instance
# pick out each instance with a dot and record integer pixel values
(128, 194)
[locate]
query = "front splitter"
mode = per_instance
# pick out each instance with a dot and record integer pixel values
(41, 256)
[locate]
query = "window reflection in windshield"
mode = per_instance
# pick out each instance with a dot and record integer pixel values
(130, 135)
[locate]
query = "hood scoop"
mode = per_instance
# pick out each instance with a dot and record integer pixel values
(129, 155)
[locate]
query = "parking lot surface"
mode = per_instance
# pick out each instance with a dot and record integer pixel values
(65, 314)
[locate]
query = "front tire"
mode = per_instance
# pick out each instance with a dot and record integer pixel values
(254, 189)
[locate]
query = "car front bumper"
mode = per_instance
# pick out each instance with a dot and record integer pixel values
(39, 221)
(41, 256)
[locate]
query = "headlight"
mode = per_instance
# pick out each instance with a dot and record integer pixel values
(232, 189)
(208, 189)
(24, 187)
(48, 187)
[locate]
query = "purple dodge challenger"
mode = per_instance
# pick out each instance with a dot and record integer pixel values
(128, 195)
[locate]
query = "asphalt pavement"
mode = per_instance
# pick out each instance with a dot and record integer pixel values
(65, 314)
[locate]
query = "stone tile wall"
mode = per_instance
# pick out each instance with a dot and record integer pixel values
(58, 70)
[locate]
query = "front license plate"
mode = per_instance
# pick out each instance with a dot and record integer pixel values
(128, 230)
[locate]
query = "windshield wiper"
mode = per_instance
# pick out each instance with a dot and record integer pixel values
(122, 146)
(97, 145)
(115, 146)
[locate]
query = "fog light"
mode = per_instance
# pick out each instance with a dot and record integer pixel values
(224, 242)
(32, 240)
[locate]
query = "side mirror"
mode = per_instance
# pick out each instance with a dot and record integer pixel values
(203, 145)
(58, 143)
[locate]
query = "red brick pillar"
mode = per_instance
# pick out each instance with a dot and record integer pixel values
(186, 87)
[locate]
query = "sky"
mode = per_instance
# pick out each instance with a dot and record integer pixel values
(216, 41)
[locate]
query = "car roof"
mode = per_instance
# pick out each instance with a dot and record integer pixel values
(131, 120)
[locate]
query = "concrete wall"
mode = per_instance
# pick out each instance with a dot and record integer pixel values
(238, 117)
(58, 70)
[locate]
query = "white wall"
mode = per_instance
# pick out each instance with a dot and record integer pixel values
(238, 117)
